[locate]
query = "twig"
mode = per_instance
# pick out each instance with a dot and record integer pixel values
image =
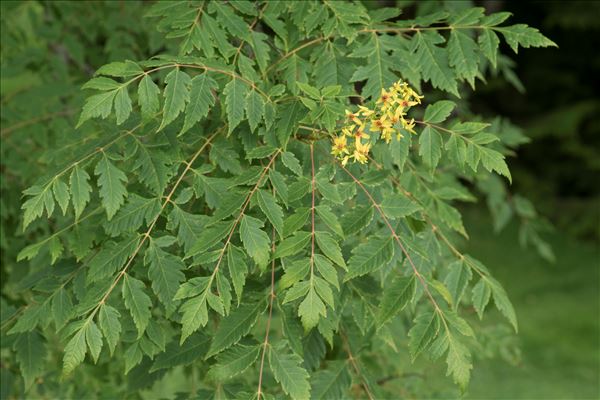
(268, 328)
(6, 131)
(354, 364)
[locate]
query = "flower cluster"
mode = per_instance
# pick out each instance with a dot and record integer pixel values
(388, 118)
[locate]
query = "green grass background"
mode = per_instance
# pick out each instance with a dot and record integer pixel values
(558, 306)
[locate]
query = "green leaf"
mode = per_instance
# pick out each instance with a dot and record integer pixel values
(122, 105)
(98, 105)
(290, 115)
(268, 205)
(93, 338)
(441, 289)
(111, 258)
(430, 146)
(62, 308)
(488, 43)
(235, 93)
(494, 161)
(330, 219)
(195, 314)
(120, 69)
(130, 217)
(61, 194)
(75, 351)
(423, 332)
(326, 270)
(165, 273)
(101, 83)
(182, 354)
(30, 353)
(137, 302)
(503, 303)
(296, 221)
(324, 291)
(295, 273)
(332, 383)
(80, 189)
(462, 52)
(133, 356)
(481, 296)
(255, 108)
(524, 36)
(309, 90)
(209, 237)
(234, 361)
(34, 206)
(218, 35)
(356, 219)
(396, 295)
(112, 188)
(176, 95)
(260, 152)
(399, 150)
(258, 41)
(291, 162)
(311, 309)
(459, 362)
(238, 269)
(377, 72)
(330, 247)
(108, 319)
(30, 318)
(235, 326)
(288, 371)
(148, 93)
(201, 100)
(329, 191)
(370, 256)
(398, 205)
(300, 288)
(457, 280)
(439, 111)
(433, 62)
(256, 241)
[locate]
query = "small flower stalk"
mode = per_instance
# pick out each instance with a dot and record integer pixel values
(388, 118)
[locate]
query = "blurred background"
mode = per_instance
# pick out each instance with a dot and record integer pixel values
(50, 48)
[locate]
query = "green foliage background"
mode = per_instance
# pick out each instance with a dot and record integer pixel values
(49, 50)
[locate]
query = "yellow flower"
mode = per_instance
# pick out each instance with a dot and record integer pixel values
(396, 115)
(361, 152)
(386, 98)
(378, 125)
(340, 146)
(353, 117)
(391, 109)
(366, 111)
(400, 86)
(348, 130)
(361, 134)
(409, 126)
